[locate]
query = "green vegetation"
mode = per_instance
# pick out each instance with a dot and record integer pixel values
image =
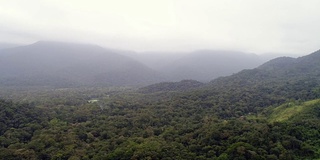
(288, 110)
(270, 113)
(152, 126)
(93, 101)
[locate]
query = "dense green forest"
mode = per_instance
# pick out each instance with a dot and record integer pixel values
(126, 124)
(271, 112)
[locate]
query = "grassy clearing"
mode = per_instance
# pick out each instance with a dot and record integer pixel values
(93, 101)
(288, 110)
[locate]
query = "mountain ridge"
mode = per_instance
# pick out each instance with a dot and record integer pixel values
(200, 65)
(80, 64)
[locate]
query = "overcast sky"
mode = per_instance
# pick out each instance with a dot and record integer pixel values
(258, 26)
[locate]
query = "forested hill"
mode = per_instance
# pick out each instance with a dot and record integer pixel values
(274, 82)
(285, 66)
(271, 112)
(249, 91)
(134, 127)
(59, 64)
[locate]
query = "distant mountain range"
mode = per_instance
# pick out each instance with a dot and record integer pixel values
(60, 64)
(207, 65)
(202, 65)
(65, 65)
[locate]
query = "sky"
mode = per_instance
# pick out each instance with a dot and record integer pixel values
(256, 26)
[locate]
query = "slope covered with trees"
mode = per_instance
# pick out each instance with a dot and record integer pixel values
(271, 112)
(128, 127)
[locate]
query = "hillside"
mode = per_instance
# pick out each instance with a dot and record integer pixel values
(270, 112)
(65, 64)
(146, 126)
(272, 83)
(293, 111)
(252, 90)
(286, 66)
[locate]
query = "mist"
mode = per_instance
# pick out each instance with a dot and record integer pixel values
(267, 26)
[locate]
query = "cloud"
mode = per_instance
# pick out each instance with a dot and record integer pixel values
(171, 25)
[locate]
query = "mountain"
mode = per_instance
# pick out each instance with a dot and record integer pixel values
(202, 65)
(270, 112)
(280, 69)
(274, 82)
(67, 64)
(303, 67)
(207, 65)
(251, 90)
